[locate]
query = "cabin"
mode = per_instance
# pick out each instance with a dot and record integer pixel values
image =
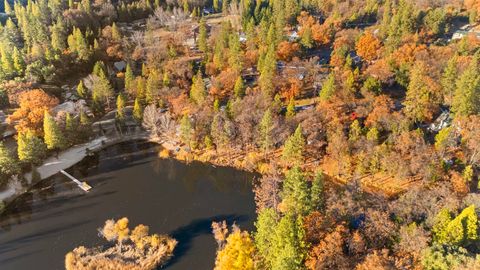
(466, 30)
(442, 121)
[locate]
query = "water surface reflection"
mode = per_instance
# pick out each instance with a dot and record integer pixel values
(127, 180)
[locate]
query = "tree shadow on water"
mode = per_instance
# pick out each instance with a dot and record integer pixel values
(185, 234)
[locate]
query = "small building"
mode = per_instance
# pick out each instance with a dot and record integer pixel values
(443, 120)
(208, 11)
(465, 31)
(120, 66)
(293, 36)
(243, 37)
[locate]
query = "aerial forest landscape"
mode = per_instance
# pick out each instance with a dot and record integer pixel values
(240, 134)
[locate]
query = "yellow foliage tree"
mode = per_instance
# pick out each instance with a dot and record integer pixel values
(121, 228)
(238, 252)
(140, 235)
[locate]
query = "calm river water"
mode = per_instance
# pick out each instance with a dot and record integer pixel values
(128, 180)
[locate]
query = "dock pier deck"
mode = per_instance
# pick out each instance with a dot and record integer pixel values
(82, 185)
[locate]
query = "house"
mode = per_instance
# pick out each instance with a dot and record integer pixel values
(293, 36)
(120, 66)
(243, 37)
(466, 30)
(208, 11)
(443, 120)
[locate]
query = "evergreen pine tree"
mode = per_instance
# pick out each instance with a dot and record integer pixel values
(265, 227)
(8, 8)
(420, 99)
(186, 130)
(53, 136)
(153, 86)
(218, 57)
(239, 88)
(86, 6)
(144, 70)
(102, 91)
(355, 131)
(82, 90)
(81, 46)
(58, 36)
(18, 61)
(234, 59)
(99, 69)
(8, 164)
(290, 108)
(69, 123)
(31, 149)
(116, 35)
(328, 87)
(129, 78)
(197, 92)
(288, 247)
(166, 79)
(121, 100)
(448, 79)
(306, 38)
(202, 36)
(295, 193)
(71, 128)
(266, 128)
(216, 105)
(137, 110)
(7, 63)
(466, 100)
(186, 9)
(84, 119)
(267, 71)
(316, 191)
(293, 149)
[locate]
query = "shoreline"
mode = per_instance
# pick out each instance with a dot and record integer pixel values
(73, 155)
(65, 159)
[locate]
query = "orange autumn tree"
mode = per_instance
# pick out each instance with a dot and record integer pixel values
(32, 108)
(292, 89)
(286, 50)
(368, 46)
(321, 33)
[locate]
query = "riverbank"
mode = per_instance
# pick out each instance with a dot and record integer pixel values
(128, 180)
(66, 159)
(270, 163)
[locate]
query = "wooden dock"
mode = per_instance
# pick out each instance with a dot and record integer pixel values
(82, 185)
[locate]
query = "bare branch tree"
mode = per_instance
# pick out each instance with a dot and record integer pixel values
(138, 38)
(160, 124)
